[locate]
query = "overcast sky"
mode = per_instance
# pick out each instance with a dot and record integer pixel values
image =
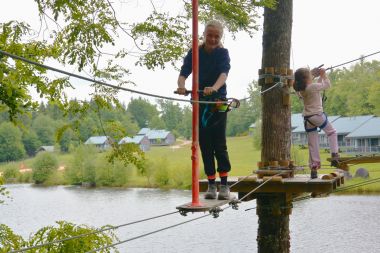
(324, 31)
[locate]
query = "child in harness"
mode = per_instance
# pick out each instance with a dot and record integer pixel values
(314, 116)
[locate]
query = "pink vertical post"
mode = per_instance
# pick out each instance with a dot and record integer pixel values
(195, 123)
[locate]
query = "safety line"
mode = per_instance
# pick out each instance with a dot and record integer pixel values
(150, 233)
(91, 233)
(357, 59)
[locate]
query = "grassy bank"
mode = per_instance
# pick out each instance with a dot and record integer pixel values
(169, 167)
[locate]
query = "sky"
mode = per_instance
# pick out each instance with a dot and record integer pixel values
(324, 32)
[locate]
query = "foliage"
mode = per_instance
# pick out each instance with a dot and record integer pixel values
(44, 166)
(256, 135)
(82, 166)
(171, 114)
(161, 172)
(4, 193)
(10, 241)
(44, 126)
(11, 147)
(31, 142)
(112, 174)
(249, 111)
(11, 172)
(142, 111)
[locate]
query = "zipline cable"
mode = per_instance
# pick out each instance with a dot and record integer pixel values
(16, 57)
(150, 233)
(357, 59)
(92, 233)
(181, 223)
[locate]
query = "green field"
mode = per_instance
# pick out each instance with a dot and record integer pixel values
(171, 166)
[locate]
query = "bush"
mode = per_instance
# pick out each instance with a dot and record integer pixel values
(82, 165)
(10, 241)
(11, 172)
(25, 177)
(44, 166)
(181, 177)
(161, 172)
(112, 173)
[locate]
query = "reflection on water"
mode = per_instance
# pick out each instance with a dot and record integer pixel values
(334, 224)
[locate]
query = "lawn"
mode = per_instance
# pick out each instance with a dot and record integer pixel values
(176, 163)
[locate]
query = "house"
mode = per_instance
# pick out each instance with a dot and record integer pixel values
(296, 120)
(144, 131)
(344, 126)
(161, 138)
(140, 140)
(365, 138)
(251, 129)
(45, 149)
(101, 142)
(157, 137)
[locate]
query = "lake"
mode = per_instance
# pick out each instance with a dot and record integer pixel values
(334, 224)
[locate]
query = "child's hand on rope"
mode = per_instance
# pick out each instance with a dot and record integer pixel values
(315, 72)
(209, 90)
(322, 73)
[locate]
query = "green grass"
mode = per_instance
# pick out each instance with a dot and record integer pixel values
(176, 165)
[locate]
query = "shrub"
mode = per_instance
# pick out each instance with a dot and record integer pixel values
(11, 172)
(161, 172)
(181, 177)
(10, 241)
(112, 173)
(44, 166)
(82, 165)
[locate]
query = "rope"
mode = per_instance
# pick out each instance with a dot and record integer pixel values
(258, 187)
(16, 57)
(357, 59)
(150, 233)
(272, 87)
(91, 233)
(181, 223)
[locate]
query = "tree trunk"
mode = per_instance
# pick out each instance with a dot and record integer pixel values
(276, 125)
(273, 209)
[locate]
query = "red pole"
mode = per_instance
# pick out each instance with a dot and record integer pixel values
(195, 95)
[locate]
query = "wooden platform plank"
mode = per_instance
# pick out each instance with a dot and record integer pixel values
(206, 205)
(298, 184)
(358, 160)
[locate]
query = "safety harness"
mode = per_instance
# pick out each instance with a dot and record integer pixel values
(222, 105)
(306, 119)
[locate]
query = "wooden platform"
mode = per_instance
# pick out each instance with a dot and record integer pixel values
(297, 185)
(206, 205)
(344, 162)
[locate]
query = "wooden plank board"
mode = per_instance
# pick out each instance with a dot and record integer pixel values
(206, 205)
(298, 184)
(358, 160)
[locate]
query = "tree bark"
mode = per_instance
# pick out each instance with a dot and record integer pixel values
(276, 125)
(273, 209)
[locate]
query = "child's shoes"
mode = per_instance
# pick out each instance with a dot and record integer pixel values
(334, 159)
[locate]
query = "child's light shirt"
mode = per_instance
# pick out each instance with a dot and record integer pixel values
(312, 99)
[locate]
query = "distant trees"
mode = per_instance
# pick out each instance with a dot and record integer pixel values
(142, 111)
(11, 146)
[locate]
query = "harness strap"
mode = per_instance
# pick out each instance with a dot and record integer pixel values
(315, 128)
